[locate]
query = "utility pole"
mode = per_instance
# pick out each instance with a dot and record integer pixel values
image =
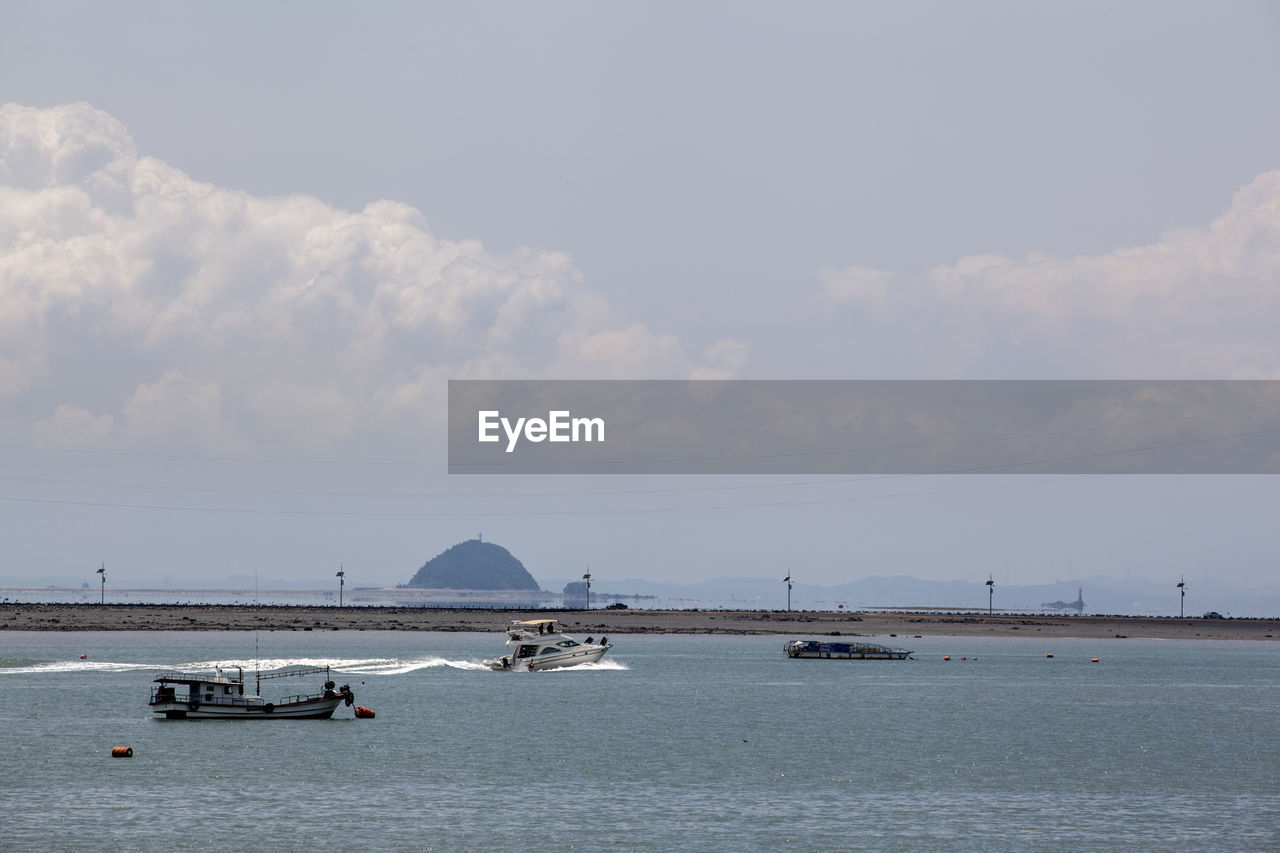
(102, 599)
(587, 578)
(787, 581)
(991, 593)
(342, 579)
(1182, 602)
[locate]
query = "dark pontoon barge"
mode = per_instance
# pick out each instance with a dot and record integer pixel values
(843, 651)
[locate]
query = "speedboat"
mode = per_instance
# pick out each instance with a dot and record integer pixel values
(188, 696)
(540, 644)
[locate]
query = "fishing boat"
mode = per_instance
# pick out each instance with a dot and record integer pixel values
(541, 644)
(843, 651)
(222, 696)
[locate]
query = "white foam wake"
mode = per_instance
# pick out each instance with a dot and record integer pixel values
(353, 666)
(403, 667)
(610, 665)
(70, 666)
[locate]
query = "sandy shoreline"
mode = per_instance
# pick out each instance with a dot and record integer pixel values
(169, 617)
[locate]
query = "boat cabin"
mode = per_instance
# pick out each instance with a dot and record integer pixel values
(529, 650)
(541, 644)
(219, 690)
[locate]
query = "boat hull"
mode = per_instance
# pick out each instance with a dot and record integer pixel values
(315, 709)
(560, 660)
(815, 650)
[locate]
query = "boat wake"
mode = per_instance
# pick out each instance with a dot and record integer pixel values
(353, 666)
(403, 667)
(595, 666)
(70, 666)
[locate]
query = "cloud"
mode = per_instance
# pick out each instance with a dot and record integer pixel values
(1197, 303)
(864, 285)
(141, 304)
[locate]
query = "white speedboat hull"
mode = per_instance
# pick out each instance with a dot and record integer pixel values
(545, 648)
(559, 660)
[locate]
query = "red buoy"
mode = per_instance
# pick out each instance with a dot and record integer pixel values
(81, 657)
(1093, 660)
(122, 752)
(946, 657)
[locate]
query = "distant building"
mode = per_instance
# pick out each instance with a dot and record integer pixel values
(575, 595)
(1077, 605)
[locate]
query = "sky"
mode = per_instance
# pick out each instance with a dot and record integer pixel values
(244, 246)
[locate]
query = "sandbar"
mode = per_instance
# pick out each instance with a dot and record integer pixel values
(240, 617)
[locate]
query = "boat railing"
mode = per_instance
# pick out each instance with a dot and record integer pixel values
(316, 697)
(286, 673)
(191, 678)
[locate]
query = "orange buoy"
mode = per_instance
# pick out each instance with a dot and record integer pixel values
(364, 713)
(122, 752)
(1049, 655)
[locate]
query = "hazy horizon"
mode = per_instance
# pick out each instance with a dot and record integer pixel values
(1102, 595)
(241, 259)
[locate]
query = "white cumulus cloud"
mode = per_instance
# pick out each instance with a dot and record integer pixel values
(140, 305)
(1197, 303)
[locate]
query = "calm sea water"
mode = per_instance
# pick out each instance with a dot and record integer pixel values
(692, 743)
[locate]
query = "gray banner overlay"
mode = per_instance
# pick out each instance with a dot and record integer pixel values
(864, 427)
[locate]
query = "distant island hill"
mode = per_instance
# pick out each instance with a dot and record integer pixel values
(479, 573)
(474, 564)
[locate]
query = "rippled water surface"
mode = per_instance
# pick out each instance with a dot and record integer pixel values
(673, 742)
